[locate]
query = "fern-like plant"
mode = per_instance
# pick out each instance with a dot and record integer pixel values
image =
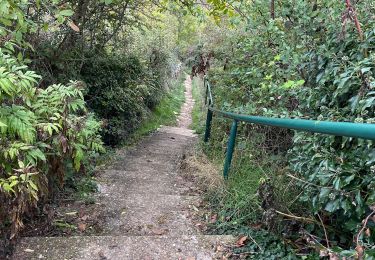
(40, 130)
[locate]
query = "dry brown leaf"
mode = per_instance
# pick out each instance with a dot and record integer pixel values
(64, 143)
(73, 26)
(82, 226)
(368, 232)
(241, 241)
(359, 250)
(200, 226)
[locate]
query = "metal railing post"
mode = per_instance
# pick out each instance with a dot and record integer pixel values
(230, 149)
(206, 89)
(207, 133)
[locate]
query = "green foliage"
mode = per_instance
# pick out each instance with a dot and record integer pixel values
(40, 130)
(120, 91)
(266, 245)
(124, 51)
(165, 113)
(309, 62)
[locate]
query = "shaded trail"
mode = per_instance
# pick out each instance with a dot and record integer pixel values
(184, 120)
(146, 206)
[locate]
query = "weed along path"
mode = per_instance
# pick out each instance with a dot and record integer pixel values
(144, 204)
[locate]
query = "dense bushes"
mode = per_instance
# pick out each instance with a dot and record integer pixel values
(311, 62)
(120, 90)
(47, 134)
(42, 131)
(112, 92)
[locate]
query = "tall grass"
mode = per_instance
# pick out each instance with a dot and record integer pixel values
(198, 114)
(236, 202)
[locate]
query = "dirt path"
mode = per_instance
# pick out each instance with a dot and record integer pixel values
(184, 120)
(145, 206)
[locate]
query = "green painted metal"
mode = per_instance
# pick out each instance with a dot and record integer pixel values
(207, 133)
(230, 148)
(357, 130)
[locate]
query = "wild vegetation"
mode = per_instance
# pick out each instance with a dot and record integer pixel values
(76, 76)
(300, 59)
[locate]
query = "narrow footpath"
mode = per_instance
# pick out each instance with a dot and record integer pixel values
(147, 202)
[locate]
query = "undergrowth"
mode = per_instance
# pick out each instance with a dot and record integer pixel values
(236, 208)
(165, 113)
(242, 209)
(240, 206)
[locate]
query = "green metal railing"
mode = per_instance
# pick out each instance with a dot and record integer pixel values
(358, 130)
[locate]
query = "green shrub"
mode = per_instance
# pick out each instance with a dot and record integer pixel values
(306, 64)
(41, 130)
(119, 90)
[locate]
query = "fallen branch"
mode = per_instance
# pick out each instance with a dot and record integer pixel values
(303, 219)
(325, 231)
(351, 14)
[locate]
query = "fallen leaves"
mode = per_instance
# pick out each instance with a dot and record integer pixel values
(82, 226)
(84, 218)
(256, 226)
(241, 241)
(219, 248)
